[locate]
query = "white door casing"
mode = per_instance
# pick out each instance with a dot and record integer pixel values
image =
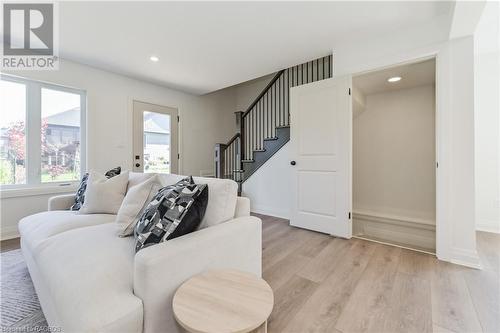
(139, 108)
(321, 145)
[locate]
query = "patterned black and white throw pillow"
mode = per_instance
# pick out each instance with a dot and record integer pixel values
(174, 211)
(80, 193)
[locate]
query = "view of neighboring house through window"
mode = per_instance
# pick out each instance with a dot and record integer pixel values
(12, 133)
(60, 136)
(156, 142)
(41, 132)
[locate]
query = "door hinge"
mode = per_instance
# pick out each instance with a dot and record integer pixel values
(349, 91)
(178, 119)
(349, 215)
(178, 156)
(437, 164)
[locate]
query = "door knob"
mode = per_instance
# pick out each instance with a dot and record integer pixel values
(137, 165)
(293, 163)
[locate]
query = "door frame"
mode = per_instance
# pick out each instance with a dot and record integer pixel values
(174, 167)
(438, 136)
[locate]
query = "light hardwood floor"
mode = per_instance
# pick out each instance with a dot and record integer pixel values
(332, 285)
(327, 284)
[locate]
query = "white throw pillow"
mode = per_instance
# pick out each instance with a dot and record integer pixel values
(136, 199)
(103, 195)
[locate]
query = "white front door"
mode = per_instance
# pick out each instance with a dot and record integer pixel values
(321, 140)
(155, 138)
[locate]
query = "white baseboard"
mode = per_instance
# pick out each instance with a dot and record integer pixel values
(9, 233)
(270, 211)
(465, 258)
(402, 231)
(488, 226)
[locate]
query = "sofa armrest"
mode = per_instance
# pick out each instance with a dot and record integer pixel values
(160, 269)
(242, 207)
(61, 202)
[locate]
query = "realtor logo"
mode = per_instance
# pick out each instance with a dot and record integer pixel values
(29, 36)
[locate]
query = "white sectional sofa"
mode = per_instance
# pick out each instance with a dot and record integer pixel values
(90, 280)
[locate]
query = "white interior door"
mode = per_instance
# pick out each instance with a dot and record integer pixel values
(155, 138)
(321, 141)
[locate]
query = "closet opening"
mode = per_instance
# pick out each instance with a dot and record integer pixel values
(394, 155)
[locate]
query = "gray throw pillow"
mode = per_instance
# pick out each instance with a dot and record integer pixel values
(174, 211)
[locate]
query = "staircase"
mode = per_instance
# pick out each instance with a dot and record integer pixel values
(265, 125)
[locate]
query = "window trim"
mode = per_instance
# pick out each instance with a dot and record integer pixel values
(33, 127)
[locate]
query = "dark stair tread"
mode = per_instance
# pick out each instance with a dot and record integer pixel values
(247, 161)
(259, 150)
(283, 126)
(271, 139)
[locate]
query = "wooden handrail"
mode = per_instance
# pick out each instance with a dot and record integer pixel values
(237, 135)
(263, 92)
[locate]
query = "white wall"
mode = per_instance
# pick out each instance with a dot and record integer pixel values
(205, 120)
(487, 118)
(394, 155)
(270, 187)
(247, 92)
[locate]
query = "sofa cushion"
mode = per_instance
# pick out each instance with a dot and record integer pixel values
(89, 271)
(222, 194)
(36, 228)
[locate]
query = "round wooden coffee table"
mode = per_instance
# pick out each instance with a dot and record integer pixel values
(225, 301)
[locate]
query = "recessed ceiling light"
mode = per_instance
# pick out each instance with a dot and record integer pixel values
(154, 58)
(394, 79)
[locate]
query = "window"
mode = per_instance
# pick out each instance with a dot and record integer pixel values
(41, 133)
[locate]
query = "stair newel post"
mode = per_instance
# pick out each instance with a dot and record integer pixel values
(220, 163)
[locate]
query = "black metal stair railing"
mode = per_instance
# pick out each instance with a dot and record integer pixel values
(265, 120)
(228, 158)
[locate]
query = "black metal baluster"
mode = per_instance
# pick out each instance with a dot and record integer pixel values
(323, 60)
(329, 66)
(301, 74)
(307, 72)
(317, 69)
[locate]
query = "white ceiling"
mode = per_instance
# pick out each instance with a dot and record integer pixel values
(412, 75)
(208, 46)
